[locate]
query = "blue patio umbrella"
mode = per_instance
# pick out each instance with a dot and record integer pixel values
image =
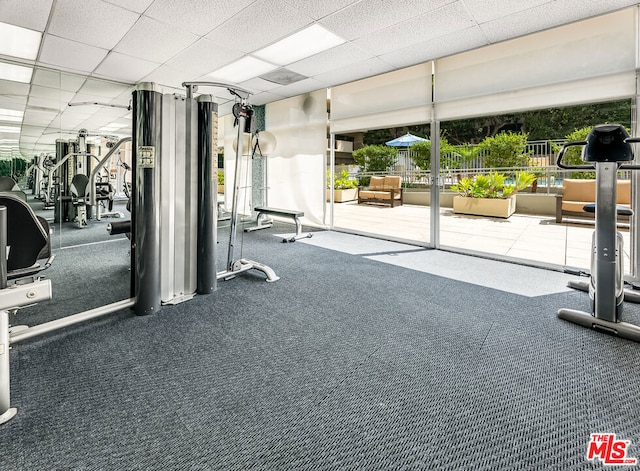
(405, 141)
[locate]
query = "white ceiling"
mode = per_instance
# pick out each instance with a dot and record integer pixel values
(97, 50)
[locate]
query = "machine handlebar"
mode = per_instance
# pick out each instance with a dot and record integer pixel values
(571, 167)
(630, 140)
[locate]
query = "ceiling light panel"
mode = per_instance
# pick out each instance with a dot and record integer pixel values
(242, 69)
(15, 73)
(19, 42)
(10, 129)
(303, 44)
(13, 116)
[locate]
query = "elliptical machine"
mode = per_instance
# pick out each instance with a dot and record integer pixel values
(606, 148)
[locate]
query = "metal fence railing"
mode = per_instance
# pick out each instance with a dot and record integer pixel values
(542, 157)
(548, 178)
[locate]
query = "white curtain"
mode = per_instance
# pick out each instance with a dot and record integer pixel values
(398, 98)
(296, 168)
(589, 61)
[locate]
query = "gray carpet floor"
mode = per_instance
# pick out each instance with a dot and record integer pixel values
(364, 355)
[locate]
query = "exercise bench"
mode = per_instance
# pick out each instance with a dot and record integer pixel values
(263, 222)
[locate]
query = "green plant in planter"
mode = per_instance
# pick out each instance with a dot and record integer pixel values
(492, 185)
(220, 177)
(342, 182)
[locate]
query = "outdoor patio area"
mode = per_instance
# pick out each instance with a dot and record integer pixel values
(533, 238)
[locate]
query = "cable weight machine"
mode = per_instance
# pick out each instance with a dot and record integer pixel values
(243, 113)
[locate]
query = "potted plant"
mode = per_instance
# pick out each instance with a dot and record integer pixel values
(345, 188)
(220, 181)
(489, 195)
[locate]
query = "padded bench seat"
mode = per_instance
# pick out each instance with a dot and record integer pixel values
(576, 193)
(263, 223)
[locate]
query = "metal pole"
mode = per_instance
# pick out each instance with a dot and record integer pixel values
(207, 194)
(63, 322)
(605, 242)
(147, 151)
(434, 215)
(6, 411)
(3, 247)
(242, 119)
(332, 171)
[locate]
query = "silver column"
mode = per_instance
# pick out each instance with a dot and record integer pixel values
(6, 412)
(207, 194)
(605, 242)
(145, 208)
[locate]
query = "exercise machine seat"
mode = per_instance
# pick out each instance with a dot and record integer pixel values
(79, 189)
(8, 184)
(28, 237)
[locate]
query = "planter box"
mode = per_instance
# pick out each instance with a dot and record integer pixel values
(221, 188)
(340, 196)
(495, 207)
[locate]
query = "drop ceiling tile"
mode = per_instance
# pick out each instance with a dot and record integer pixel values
(45, 103)
(487, 10)
(436, 48)
(46, 78)
(196, 16)
(71, 82)
(110, 114)
(32, 131)
(259, 85)
(318, 10)
(353, 72)
(263, 23)
(125, 68)
(368, 16)
(50, 93)
(301, 87)
(139, 6)
(71, 121)
(155, 41)
(203, 57)
(67, 54)
(38, 118)
(450, 18)
(335, 58)
(170, 77)
(101, 89)
(548, 16)
(28, 14)
(13, 102)
(92, 22)
(10, 87)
